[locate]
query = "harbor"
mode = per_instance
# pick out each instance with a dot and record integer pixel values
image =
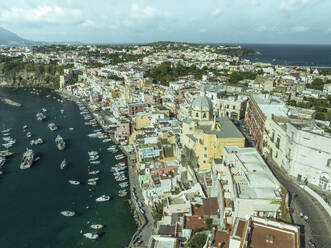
(69, 188)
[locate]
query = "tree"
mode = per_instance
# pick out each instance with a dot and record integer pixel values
(209, 223)
(198, 241)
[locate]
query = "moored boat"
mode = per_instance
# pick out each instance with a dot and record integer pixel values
(67, 213)
(91, 235)
(60, 143)
(103, 198)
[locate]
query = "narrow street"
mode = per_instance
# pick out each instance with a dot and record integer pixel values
(318, 226)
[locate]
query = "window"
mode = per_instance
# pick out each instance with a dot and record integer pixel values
(206, 148)
(278, 142)
(204, 115)
(197, 114)
(328, 164)
(233, 107)
(273, 136)
(227, 106)
(205, 155)
(276, 155)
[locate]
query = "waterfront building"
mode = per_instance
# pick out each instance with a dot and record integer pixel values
(246, 185)
(136, 107)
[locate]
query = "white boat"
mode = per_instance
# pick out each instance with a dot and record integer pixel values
(103, 198)
(36, 159)
(27, 159)
(95, 162)
(61, 111)
(60, 143)
(68, 213)
(52, 126)
(71, 129)
(94, 179)
(96, 226)
(94, 172)
(92, 158)
(6, 130)
(25, 126)
(74, 182)
(5, 153)
(91, 235)
(92, 183)
(63, 164)
(93, 153)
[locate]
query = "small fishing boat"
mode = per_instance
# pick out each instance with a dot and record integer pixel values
(68, 213)
(73, 182)
(93, 235)
(103, 198)
(96, 226)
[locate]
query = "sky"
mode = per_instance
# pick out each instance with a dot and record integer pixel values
(140, 21)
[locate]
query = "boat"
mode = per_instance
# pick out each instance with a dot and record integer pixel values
(71, 129)
(74, 182)
(63, 164)
(91, 235)
(122, 194)
(94, 179)
(60, 143)
(95, 162)
(103, 198)
(97, 226)
(28, 134)
(62, 110)
(6, 130)
(36, 159)
(93, 153)
(44, 110)
(2, 161)
(92, 183)
(106, 140)
(94, 172)
(68, 213)
(124, 184)
(27, 159)
(5, 153)
(40, 116)
(92, 158)
(52, 126)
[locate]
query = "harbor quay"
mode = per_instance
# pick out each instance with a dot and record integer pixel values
(142, 215)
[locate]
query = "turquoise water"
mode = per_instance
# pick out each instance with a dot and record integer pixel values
(31, 200)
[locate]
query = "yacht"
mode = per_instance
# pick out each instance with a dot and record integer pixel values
(6, 130)
(52, 126)
(74, 182)
(60, 143)
(63, 164)
(94, 179)
(95, 162)
(96, 226)
(71, 129)
(92, 153)
(103, 198)
(68, 213)
(93, 235)
(92, 183)
(2, 161)
(27, 159)
(5, 153)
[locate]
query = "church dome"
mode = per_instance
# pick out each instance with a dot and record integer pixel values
(202, 103)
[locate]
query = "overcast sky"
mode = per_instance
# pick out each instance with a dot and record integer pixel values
(132, 21)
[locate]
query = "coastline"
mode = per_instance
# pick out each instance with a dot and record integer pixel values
(144, 221)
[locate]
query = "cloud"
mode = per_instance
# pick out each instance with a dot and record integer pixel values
(297, 29)
(42, 14)
(216, 12)
(267, 29)
(147, 12)
(290, 5)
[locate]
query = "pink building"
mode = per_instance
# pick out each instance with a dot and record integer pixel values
(123, 130)
(136, 107)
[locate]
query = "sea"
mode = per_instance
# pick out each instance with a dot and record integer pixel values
(31, 200)
(292, 55)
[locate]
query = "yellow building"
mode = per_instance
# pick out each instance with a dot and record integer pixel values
(143, 120)
(207, 135)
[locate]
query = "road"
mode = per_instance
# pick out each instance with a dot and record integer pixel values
(318, 226)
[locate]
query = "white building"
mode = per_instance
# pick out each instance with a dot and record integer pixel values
(308, 153)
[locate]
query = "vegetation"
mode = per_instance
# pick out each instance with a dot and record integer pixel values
(318, 84)
(235, 77)
(322, 107)
(285, 215)
(209, 223)
(19, 71)
(157, 212)
(166, 73)
(237, 51)
(198, 241)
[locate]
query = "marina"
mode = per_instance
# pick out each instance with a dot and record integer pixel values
(72, 187)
